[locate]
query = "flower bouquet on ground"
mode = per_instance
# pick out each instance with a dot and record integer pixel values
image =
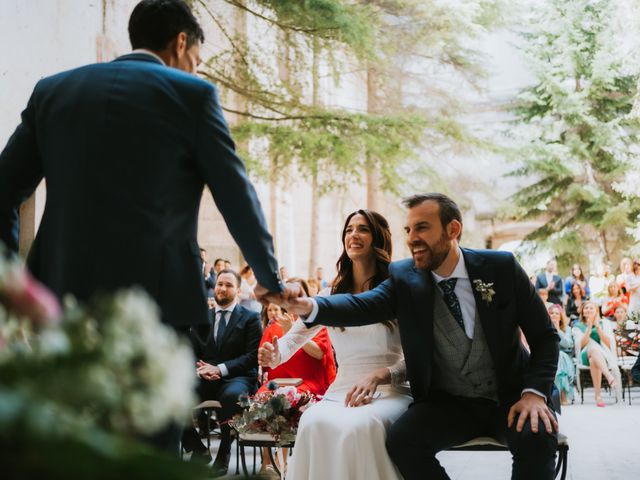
(275, 412)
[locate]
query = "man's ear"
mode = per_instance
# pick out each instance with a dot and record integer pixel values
(454, 229)
(180, 44)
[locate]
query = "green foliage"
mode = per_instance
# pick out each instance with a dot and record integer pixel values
(577, 134)
(284, 124)
(336, 148)
(353, 25)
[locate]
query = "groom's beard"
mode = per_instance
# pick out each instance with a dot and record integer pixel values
(436, 253)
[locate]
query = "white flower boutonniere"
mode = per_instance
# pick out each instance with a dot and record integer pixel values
(485, 290)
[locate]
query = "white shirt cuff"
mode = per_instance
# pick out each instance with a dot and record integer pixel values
(312, 316)
(224, 371)
(533, 390)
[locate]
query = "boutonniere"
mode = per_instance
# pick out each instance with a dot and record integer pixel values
(485, 290)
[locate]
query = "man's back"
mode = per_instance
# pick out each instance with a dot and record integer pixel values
(126, 148)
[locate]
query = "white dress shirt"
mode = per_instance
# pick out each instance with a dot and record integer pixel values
(464, 292)
(549, 277)
(149, 52)
(224, 371)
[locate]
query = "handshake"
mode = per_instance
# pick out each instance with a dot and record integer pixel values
(292, 298)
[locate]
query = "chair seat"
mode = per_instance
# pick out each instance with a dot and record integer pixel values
(563, 440)
(208, 404)
(481, 442)
(492, 443)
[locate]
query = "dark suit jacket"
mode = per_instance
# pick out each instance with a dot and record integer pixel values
(408, 295)
(555, 294)
(126, 148)
(238, 347)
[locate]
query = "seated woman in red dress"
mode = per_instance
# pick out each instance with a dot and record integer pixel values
(314, 363)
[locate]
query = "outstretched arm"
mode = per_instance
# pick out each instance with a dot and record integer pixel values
(347, 310)
(233, 193)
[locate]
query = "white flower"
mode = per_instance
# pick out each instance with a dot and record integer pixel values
(485, 290)
(53, 341)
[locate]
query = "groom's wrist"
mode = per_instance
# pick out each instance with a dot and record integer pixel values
(309, 319)
(535, 392)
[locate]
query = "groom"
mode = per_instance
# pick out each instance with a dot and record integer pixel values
(126, 149)
(460, 312)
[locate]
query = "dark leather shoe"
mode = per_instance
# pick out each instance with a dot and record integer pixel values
(203, 458)
(220, 465)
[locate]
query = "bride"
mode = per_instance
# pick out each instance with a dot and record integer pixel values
(334, 439)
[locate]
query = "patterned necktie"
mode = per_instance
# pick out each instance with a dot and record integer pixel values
(451, 299)
(222, 324)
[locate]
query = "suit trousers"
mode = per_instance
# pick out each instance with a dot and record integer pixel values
(226, 391)
(445, 421)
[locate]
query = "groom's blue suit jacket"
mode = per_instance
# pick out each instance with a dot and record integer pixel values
(126, 148)
(408, 295)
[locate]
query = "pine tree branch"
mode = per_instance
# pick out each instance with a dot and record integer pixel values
(283, 26)
(237, 49)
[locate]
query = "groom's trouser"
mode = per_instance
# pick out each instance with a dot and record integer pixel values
(446, 421)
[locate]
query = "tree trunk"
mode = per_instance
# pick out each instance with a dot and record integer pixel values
(373, 178)
(315, 197)
(273, 201)
(604, 247)
(315, 218)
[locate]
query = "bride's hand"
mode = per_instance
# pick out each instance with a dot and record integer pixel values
(362, 392)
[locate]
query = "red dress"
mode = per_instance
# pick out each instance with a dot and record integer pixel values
(316, 374)
(610, 304)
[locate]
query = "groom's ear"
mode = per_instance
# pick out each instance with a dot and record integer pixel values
(454, 229)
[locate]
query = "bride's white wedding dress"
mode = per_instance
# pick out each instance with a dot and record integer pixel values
(348, 443)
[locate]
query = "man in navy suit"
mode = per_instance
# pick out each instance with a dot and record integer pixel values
(126, 148)
(460, 312)
(227, 362)
(551, 282)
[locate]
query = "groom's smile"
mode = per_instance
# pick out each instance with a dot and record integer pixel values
(428, 240)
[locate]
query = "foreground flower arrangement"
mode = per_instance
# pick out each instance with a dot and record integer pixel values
(87, 381)
(275, 412)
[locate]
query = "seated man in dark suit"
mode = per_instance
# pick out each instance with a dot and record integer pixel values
(227, 362)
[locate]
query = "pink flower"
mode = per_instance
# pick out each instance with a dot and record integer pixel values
(290, 393)
(27, 297)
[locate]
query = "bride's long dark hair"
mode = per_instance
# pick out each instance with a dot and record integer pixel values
(382, 250)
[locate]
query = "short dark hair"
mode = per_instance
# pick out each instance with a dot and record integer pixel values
(155, 23)
(218, 260)
(449, 209)
(232, 272)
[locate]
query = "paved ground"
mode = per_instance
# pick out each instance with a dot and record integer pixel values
(604, 443)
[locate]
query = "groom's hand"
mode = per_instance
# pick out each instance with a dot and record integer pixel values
(269, 354)
(264, 296)
(290, 291)
(534, 408)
